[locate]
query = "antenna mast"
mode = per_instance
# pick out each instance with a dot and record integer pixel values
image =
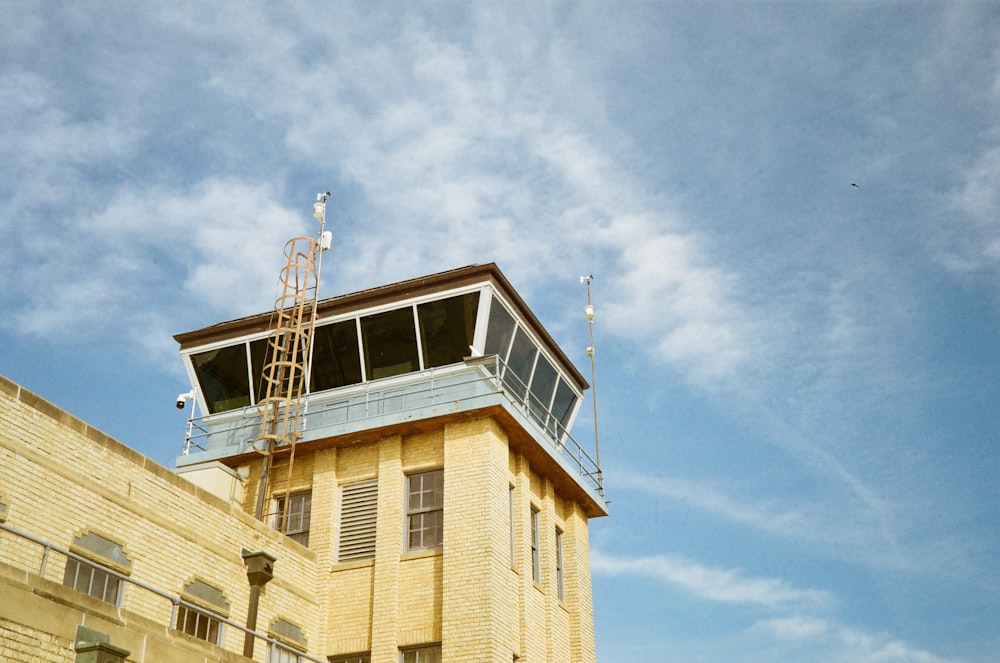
(588, 312)
(288, 364)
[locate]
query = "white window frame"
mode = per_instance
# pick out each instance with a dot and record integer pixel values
(201, 616)
(416, 516)
(87, 573)
(560, 568)
(424, 654)
(297, 526)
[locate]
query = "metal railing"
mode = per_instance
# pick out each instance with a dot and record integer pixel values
(442, 389)
(175, 600)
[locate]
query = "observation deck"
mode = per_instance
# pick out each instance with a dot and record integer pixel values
(398, 359)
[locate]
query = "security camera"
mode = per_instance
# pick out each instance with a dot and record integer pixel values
(184, 398)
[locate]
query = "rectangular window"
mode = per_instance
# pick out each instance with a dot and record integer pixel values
(536, 558)
(560, 587)
(298, 517)
(520, 364)
(278, 654)
(422, 655)
(336, 359)
(222, 375)
(390, 342)
(92, 581)
(425, 510)
(365, 657)
(447, 327)
(358, 510)
(199, 624)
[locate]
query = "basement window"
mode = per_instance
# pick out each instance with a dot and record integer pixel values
(430, 654)
(97, 579)
(201, 618)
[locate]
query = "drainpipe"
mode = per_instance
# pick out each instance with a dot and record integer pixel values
(260, 570)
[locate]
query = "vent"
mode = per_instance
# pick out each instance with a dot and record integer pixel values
(358, 509)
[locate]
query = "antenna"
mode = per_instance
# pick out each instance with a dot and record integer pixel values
(588, 312)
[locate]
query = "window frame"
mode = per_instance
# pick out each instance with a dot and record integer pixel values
(304, 516)
(422, 654)
(420, 513)
(95, 571)
(212, 620)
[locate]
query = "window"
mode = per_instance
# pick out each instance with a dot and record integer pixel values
(298, 517)
(422, 655)
(425, 510)
(336, 358)
(499, 330)
(223, 377)
(536, 559)
(358, 511)
(97, 579)
(390, 342)
(365, 657)
(289, 636)
(520, 364)
(543, 383)
(279, 654)
(198, 624)
(560, 586)
(197, 619)
(446, 329)
(93, 581)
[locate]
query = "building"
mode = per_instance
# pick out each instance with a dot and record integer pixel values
(428, 504)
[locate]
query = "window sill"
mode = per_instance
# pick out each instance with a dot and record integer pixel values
(353, 564)
(420, 554)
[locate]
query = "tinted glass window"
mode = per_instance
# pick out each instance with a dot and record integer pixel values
(447, 328)
(390, 341)
(222, 375)
(543, 383)
(562, 407)
(520, 363)
(499, 330)
(336, 359)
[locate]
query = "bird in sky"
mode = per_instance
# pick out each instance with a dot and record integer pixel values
(855, 185)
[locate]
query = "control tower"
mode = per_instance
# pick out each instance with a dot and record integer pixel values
(429, 468)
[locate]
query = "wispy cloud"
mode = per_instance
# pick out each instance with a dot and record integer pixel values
(712, 584)
(843, 643)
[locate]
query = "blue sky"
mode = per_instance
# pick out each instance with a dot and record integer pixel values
(797, 377)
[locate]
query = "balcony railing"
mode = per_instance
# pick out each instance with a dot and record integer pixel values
(447, 389)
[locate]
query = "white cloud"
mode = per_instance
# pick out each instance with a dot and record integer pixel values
(713, 584)
(843, 643)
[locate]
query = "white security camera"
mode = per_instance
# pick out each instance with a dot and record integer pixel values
(184, 398)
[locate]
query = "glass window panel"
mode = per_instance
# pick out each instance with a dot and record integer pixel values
(222, 375)
(390, 342)
(336, 361)
(447, 328)
(543, 383)
(499, 330)
(562, 407)
(258, 355)
(520, 363)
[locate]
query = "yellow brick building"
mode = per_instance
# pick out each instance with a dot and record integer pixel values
(433, 507)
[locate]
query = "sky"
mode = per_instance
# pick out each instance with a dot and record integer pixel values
(791, 211)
